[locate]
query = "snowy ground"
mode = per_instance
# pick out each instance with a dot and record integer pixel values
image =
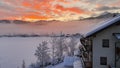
(69, 62)
(61, 65)
(14, 50)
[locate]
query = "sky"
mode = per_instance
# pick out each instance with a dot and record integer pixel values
(64, 10)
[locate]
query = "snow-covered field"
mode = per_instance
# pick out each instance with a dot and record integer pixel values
(14, 50)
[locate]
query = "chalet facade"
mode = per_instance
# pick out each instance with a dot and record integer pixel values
(101, 46)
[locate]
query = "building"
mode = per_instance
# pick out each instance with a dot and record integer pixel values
(101, 46)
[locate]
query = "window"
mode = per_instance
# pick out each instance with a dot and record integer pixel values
(103, 60)
(105, 43)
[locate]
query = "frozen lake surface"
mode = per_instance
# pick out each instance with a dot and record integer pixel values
(16, 49)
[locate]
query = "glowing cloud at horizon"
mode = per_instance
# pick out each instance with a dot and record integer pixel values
(55, 9)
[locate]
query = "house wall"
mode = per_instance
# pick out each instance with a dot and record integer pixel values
(99, 51)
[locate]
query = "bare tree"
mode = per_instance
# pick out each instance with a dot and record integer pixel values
(42, 53)
(23, 64)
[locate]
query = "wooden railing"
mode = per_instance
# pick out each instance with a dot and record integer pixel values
(85, 58)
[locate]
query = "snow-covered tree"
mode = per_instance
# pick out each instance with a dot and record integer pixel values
(71, 44)
(58, 47)
(53, 43)
(61, 46)
(42, 53)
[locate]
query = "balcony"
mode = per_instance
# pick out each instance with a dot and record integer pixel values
(86, 45)
(86, 62)
(86, 52)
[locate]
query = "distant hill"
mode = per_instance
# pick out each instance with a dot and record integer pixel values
(13, 21)
(104, 15)
(107, 15)
(20, 22)
(5, 21)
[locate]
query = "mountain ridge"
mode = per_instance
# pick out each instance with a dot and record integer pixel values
(41, 22)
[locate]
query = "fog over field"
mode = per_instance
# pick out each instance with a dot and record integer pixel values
(71, 27)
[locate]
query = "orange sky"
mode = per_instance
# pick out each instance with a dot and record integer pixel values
(33, 10)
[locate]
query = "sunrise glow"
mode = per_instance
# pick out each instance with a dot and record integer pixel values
(33, 10)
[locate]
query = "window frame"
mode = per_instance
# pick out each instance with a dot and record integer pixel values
(105, 43)
(103, 60)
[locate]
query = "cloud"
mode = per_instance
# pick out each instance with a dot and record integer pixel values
(6, 6)
(116, 4)
(103, 2)
(72, 9)
(54, 8)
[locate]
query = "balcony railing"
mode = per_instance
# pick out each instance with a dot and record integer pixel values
(86, 50)
(85, 56)
(86, 63)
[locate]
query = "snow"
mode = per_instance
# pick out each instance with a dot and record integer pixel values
(14, 50)
(61, 65)
(70, 61)
(77, 52)
(78, 64)
(117, 35)
(102, 25)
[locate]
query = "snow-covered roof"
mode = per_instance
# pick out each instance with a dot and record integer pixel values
(102, 26)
